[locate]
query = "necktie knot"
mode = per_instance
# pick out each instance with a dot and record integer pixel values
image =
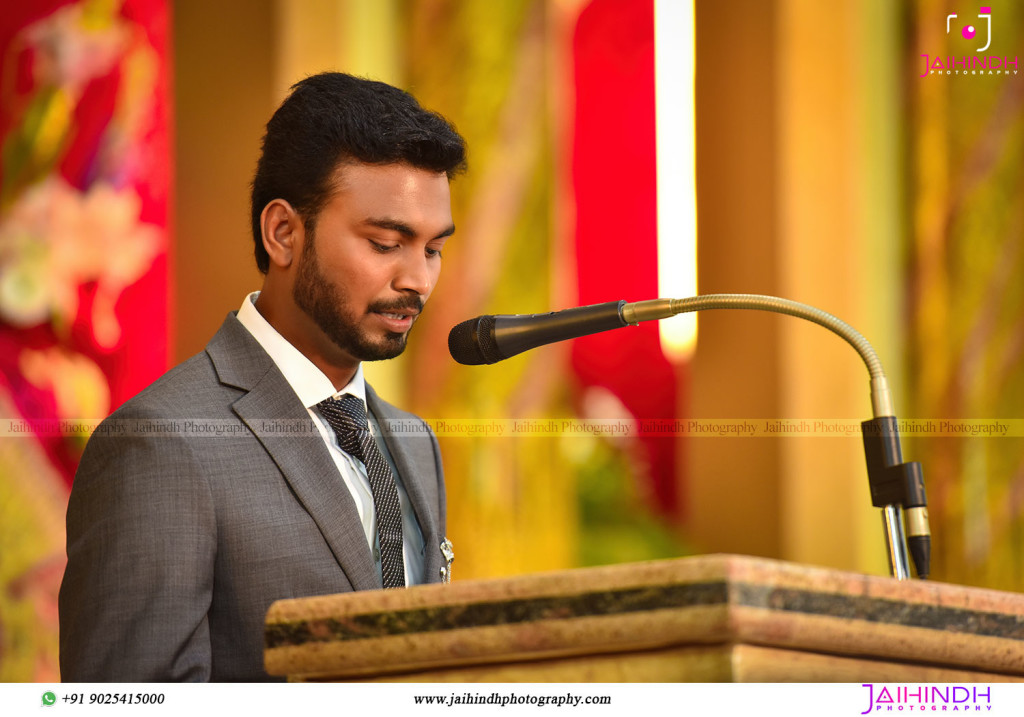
(347, 416)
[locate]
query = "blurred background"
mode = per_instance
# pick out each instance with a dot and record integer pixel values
(851, 155)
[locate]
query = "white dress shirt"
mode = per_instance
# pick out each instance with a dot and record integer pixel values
(312, 386)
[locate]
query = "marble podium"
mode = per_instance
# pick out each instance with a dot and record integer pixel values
(701, 619)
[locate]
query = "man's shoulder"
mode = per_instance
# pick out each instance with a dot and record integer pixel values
(189, 385)
(207, 382)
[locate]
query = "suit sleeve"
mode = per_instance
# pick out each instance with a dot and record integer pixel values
(141, 543)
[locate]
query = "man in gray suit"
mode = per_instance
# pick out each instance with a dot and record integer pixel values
(230, 483)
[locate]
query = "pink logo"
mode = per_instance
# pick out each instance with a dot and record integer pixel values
(968, 32)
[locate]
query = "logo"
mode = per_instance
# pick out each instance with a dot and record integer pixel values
(928, 698)
(964, 64)
(49, 699)
(968, 32)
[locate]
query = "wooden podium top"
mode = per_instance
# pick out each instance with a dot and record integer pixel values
(717, 617)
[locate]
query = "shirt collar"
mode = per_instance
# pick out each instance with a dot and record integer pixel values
(310, 384)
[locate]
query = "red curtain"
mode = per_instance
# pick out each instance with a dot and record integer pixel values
(614, 181)
(84, 203)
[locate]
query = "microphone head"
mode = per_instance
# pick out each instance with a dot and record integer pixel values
(471, 343)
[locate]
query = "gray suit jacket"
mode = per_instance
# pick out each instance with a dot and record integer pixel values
(179, 539)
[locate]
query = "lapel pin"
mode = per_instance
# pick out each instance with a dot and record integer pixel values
(448, 553)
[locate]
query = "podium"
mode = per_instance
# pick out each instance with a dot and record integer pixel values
(717, 618)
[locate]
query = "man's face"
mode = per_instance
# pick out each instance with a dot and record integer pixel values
(374, 257)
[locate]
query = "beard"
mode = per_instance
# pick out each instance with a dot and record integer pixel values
(323, 302)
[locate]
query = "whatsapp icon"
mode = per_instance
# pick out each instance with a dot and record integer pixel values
(49, 699)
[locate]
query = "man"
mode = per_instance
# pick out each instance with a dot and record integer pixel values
(248, 473)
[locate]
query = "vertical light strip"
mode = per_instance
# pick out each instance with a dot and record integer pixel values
(674, 73)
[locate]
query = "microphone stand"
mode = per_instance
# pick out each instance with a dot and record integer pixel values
(896, 487)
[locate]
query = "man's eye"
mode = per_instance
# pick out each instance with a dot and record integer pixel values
(433, 252)
(383, 248)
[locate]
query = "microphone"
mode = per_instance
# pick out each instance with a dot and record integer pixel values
(896, 486)
(489, 339)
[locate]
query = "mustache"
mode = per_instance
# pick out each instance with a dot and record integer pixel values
(414, 303)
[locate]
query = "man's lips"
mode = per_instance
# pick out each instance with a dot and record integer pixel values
(397, 317)
(405, 316)
(398, 314)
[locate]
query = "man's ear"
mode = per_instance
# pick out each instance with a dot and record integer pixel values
(283, 232)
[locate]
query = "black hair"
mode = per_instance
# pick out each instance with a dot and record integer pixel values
(333, 118)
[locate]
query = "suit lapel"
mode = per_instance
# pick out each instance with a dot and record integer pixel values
(302, 456)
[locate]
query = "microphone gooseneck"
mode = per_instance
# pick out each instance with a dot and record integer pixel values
(895, 486)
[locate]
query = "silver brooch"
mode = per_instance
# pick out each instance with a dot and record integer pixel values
(448, 552)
